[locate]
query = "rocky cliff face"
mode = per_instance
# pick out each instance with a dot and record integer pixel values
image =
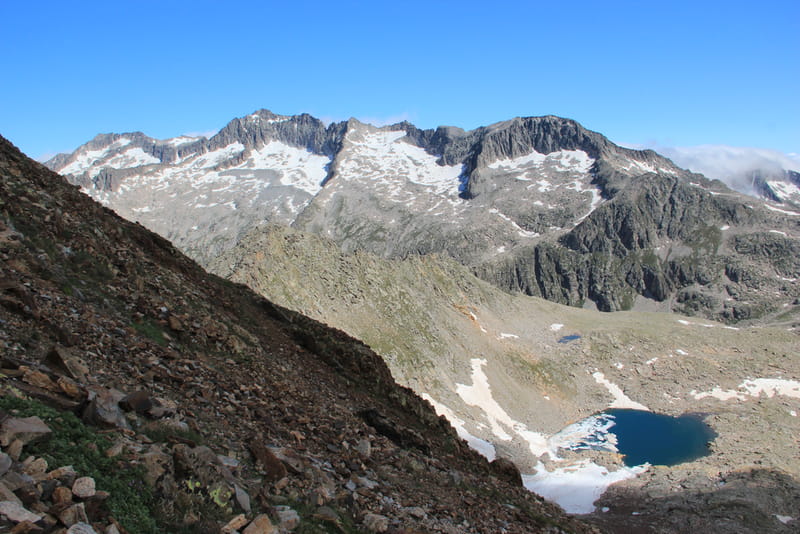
(538, 205)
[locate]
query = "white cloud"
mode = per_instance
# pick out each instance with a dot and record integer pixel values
(385, 121)
(207, 134)
(732, 165)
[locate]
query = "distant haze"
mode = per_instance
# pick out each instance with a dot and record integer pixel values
(732, 165)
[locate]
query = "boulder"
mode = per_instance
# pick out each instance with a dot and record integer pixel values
(25, 429)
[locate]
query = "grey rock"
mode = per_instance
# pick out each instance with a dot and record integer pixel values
(103, 409)
(84, 487)
(5, 463)
(81, 528)
(376, 522)
(24, 429)
(17, 513)
(288, 518)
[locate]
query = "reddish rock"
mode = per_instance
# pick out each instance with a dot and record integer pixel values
(138, 401)
(269, 463)
(260, 525)
(234, 524)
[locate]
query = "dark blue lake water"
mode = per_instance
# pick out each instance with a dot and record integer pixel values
(646, 437)
(567, 339)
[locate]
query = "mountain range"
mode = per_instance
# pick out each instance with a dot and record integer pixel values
(429, 244)
(537, 205)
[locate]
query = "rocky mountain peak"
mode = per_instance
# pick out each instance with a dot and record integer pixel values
(526, 203)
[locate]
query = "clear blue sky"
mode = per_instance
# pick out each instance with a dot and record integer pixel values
(672, 73)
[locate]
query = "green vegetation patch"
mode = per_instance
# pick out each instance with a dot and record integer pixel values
(151, 330)
(73, 443)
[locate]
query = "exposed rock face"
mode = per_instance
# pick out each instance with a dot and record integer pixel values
(538, 205)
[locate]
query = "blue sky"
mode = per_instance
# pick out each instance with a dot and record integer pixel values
(648, 73)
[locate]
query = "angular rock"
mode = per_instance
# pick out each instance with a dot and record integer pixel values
(156, 463)
(103, 410)
(5, 463)
(138, 401)
(288, 518)
(25, 429)
(260, 525)
(26, 527)
(15, 480)
(81, 528)
(364, 448)
(39, 379)
(84, 487)
(36, 467)
(15, 449)
(269, 463)
(7, 495)
(62, 495)
(175, 323)
(376, 522)
(327, 514)
(65, 474)
(242, 498)
(69, 387)
(73, 514)
(65, 362)
(234, 524)
(16, 513)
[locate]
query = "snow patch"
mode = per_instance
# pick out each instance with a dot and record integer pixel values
(785, 190)
(215, 157)
(785, 212)
(555, 327)
(298, 167)
(182, 140)
(768, 387)
(479, 394)
(384, 156)
(575, 487)
(481, 446)
(563, 160)
(620, 399)
(133, 157)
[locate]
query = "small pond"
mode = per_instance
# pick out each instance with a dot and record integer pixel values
(658, 439)
(567, 339)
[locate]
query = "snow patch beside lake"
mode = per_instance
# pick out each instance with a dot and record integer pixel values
(576, 486)
(620, 399)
